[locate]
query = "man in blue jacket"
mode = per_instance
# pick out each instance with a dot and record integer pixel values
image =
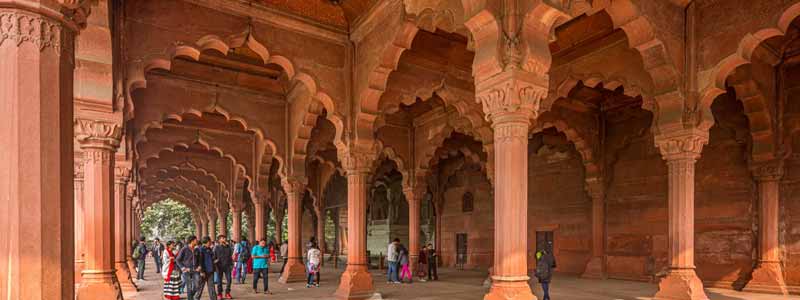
(207, 270)
(189, 262)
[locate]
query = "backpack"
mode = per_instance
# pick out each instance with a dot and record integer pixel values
(244, 255)
(137, 253)
(543, 269)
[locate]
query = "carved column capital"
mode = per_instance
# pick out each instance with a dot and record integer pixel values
(122, 173)
(415, 193)
(686, 144)
(514, 95)
(93, 134)
(768, 170)
(595, 187)
(294, 185)
(77, 168)
(357, 161)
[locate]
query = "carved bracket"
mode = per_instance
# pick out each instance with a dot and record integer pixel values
(682, 144)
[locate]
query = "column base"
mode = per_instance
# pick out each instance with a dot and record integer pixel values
(595, 268)
(767, 278)
(79, 264)
(131, 265)
(509, 290)
(356, 284)
(294, 272)
(125, 278)
(99, 285)
(681, 284)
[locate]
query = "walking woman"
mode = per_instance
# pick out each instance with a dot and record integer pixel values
(312, 268)
(405, 270)
(171, 274)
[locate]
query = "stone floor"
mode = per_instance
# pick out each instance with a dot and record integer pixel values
(453, 285)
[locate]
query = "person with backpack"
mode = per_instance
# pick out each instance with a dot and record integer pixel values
(545, 264)
(242, 252)
(139, 255)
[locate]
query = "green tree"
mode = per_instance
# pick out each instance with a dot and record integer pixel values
(167, 220)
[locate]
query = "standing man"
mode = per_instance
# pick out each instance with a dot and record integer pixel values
(207, 270)
(189, 261)
(223, 253)
(544, 270)
(284, 254)
(392, 256)
(260, 256)
(140, 255)
(433, 264)
(158, 250)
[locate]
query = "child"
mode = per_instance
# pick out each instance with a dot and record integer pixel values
(313, 267)
(404, 262)
(423, 263)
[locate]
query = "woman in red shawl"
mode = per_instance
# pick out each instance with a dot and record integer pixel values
(171, 274)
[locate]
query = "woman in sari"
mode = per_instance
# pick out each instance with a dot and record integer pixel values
(171, 274)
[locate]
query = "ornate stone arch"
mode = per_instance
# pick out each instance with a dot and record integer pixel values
(756, 108)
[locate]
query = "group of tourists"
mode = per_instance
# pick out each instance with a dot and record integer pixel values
(399, 268)
(212, 265)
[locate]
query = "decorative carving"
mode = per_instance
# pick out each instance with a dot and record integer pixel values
(357, 161)
(121, 173)
(767, 171)
(682, 144)
(294, 185)
(98, 134)
(20, 26)
(512, 92)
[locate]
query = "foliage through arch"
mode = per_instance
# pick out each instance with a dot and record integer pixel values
(167, 220)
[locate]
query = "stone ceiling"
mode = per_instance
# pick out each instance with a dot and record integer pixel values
(339, 13)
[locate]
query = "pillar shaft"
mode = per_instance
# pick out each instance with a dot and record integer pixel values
(198, 228)
(681, 149)
(129, 231)
(294, 271)
(99, 140)
(203, 228)
(510, 100)
(414, 197)
(78, 192)
(356, 282)
(767, 277)
(121, 176)
(36, 152)
(236, 228)
(260, 225)
(212, 227)
(596, 267)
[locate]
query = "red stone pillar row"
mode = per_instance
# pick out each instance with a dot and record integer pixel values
(596, 267)
(99, 141)
(37, 256)
(414, 197)
(78, 192)
(295, 271)
(223, 222)
(768, 274)
(681, 149)
(121, 177)
(510, 100)
(356, 282)
(236, 227)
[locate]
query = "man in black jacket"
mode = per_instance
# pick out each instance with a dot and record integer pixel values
(207, 269)
(189, 262)
(223, 253)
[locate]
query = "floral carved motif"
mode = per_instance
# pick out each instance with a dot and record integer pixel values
(98, 134)
(19, 27)
(683, 144)
(511, 93)
(767, 171)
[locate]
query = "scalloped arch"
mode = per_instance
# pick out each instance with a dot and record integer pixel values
(718, 75)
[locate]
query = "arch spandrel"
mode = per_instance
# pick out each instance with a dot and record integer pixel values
(180, 182)
(198, 177)
(218, 167)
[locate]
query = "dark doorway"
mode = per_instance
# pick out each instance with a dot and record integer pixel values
(461, 250)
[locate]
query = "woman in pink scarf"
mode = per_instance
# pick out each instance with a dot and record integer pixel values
(172, 274)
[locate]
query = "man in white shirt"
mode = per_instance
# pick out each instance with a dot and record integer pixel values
(284, 254)
(313, 267)
(392, 256)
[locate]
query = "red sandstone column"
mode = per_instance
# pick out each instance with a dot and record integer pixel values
(510, 99)
(236, 229)
(198, 227)
(121, 176)
(36, 152)
(99, 140)
(596, 268)
(223, 223)
(768, 275)
(78, 185)
(295, 270)
(356, 282)
(251, 227)
(259, 225)
(203, 228)
(414, 197)
(681, 149)
(212, 225)
(129, 227)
